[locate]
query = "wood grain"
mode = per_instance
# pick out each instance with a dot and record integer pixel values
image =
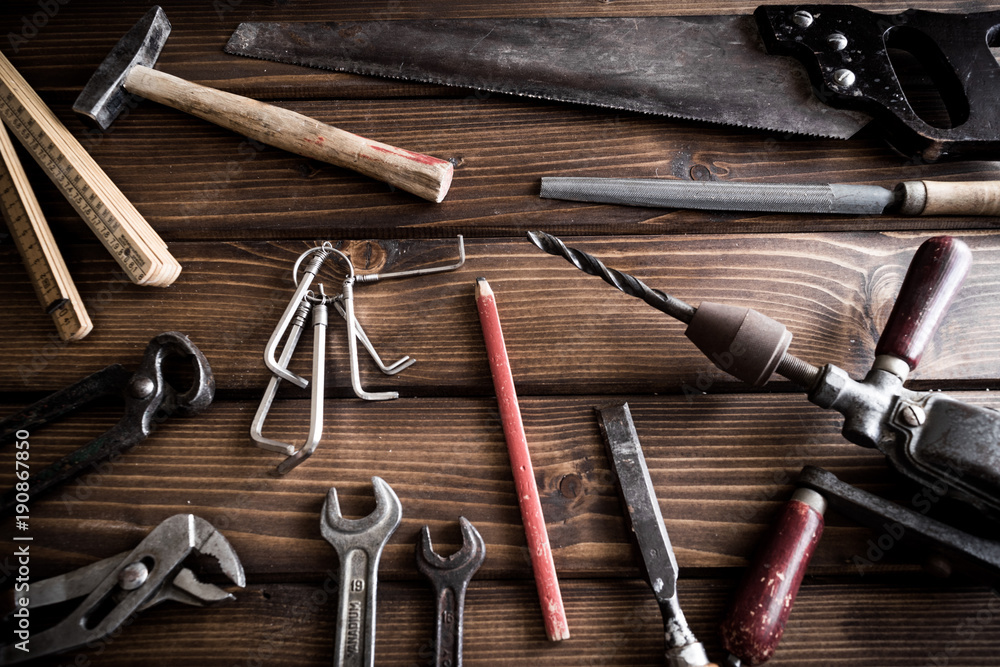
(564, 331)
(722, 456)
(722, 465)
(193, 180)
(615, 623)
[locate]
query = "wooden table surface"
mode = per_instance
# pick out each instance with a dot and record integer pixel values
(721, 455)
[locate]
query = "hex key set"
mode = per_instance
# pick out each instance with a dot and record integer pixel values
(303, 304)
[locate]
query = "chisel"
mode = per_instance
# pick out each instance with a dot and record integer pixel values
(636, 487)
(908, 198)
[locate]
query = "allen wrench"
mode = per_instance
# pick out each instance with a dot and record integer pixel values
(301, 287)
(354, 332)
(376, 277)
(391, 369)
(317, 307)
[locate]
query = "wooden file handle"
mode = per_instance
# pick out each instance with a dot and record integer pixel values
(939, 198)
(422, 175)
(936, 272)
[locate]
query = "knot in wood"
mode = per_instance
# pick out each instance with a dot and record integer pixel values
(368, 256)
(571, 486)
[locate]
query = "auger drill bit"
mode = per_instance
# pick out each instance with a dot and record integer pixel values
(739, 341)
(623, 281)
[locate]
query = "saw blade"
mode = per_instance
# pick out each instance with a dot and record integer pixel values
(706, 68)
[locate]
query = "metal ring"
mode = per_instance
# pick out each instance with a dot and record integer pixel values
(324, 298)
(328, 248)
(298, 262)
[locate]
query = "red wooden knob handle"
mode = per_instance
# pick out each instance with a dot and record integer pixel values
(757, 616)
(935, 274)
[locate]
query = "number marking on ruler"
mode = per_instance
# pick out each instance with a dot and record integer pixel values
(69, 181)
(118, 225)
(53, 285)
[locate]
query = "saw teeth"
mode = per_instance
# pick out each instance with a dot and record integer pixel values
(243, 43)
(441, 82)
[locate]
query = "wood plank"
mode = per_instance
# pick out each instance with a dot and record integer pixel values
(238, 214)
(193, 180)
(613, 623)
(59, 46)
(564, 328)
(722, 467)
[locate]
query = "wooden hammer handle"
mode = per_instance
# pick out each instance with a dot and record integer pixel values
(422, 175)
(960, 198)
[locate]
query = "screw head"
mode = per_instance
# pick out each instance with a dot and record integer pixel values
(844, 78)
(837, 41)
(913, 415)
(133, 576)
(141, 386)
(802, 18)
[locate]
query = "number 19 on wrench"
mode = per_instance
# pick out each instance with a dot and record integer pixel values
(359, 544)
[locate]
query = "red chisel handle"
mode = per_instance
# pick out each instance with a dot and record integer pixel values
(757, 616)
(936, 272)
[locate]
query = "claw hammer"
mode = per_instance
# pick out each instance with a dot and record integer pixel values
(128, 69)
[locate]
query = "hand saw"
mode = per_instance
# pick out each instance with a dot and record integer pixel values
(733, 70)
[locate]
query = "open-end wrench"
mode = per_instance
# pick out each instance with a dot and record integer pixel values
(359, 544)
(450, 577)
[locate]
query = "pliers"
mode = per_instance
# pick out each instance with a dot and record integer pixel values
(149, 399)
(149, 574)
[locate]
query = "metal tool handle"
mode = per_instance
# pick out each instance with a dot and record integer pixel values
(936, 272)
(757, 616)
(317, 395)
(354, 644)
(422, 175)
(447, 630)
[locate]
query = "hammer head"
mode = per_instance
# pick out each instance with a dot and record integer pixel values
(104, 96)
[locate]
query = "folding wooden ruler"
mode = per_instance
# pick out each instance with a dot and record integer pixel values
(33, 238)
(118, 225)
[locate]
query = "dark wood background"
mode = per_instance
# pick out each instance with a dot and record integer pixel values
(722, 461)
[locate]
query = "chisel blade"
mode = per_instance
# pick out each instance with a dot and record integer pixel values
(707, 68)
(636, 486)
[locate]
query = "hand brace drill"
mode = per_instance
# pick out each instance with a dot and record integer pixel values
(930, 437)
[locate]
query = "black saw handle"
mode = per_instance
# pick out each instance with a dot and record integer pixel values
(845, 50)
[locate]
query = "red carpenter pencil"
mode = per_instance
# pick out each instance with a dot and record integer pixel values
(544, 568)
